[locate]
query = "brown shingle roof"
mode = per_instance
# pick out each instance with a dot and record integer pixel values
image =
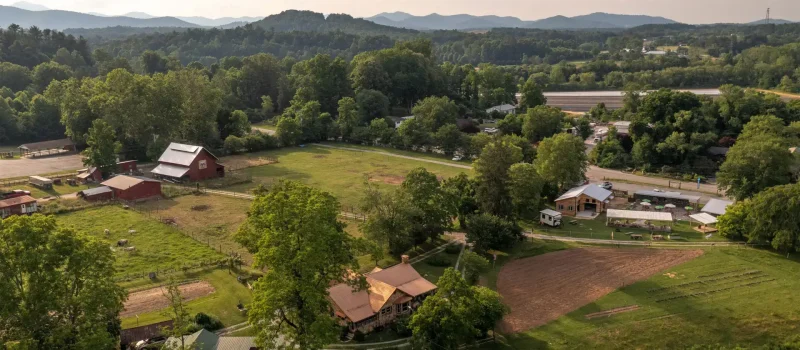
(382, 285)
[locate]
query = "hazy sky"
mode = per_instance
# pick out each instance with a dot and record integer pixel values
(687, 11)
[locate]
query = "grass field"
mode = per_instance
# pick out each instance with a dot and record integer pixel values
(597, 228)
(158, 246)
(222, 303)
(422, 155)
(337, 171)
(208, 218)
(738, 297)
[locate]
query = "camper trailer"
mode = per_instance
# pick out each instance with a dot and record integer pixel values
(41, 182)
(550, 218)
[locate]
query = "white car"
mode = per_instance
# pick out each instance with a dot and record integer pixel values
(457, 158)
(657, 190)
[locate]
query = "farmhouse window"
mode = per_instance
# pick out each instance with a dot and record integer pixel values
(402, 307)
(386, 310)
(570, 207)
(202, 164)
(587, 200)
(593, 201)
(561, 206)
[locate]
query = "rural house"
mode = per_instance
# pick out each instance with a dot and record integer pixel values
(587, 198)
(133, 188)
(392, 292)
(187, 162)
(17, 206)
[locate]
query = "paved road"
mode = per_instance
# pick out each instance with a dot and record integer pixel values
(37, 166)
(594, 174)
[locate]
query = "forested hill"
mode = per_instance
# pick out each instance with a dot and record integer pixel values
(60, 20)
(308, 21)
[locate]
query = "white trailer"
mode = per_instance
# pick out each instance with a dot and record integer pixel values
(550, 218)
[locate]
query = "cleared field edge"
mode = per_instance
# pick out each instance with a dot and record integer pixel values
(543, 288)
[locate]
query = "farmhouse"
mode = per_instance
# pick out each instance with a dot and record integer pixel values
(392, 292)
(133, 188)
(17, 206)
(587, 198)
(716, 207)
(187, 162)
(667, 198)
(502, 109)
(102, 193)
(92, 174)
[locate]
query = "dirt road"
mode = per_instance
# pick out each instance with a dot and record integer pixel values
(37, 166)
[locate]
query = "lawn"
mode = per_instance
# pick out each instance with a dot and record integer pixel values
(207, 218)
(597, 228)
(339, 172)
(222, 303)
(422, 155)
(743, 297)
(432, 271)
(158, 246)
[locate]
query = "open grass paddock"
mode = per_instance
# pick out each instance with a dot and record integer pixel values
(158, 246)
(340, 172)
(727, 296)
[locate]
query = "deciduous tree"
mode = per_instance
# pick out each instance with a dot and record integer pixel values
(102, 146)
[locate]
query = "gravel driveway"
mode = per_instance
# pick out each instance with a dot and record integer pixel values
(37, 166)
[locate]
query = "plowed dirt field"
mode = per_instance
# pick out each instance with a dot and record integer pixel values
(542, 288)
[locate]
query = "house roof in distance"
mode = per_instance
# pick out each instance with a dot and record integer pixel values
(590, 190)
(501, 108)
(45, 145)
(95, 191)
(716, 206)
(638, 215)
(705, 218)
(550, 212)
(170, 170)
(181, 154)
(669, 195)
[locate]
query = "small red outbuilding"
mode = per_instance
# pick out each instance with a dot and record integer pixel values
(188, 162)
(17, 206)
(133, 188)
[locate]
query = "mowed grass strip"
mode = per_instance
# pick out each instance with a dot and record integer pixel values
(739, 297)
(211, 219)
(158, 246)
(228, 292)
(340, 172)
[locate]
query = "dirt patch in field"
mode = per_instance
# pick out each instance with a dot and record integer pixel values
(542, 288)
(319, 156)
(388, 179)
(153, 299)
(243, 161)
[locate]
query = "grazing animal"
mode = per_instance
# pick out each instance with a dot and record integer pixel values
(107, 232)
(122, 242)
(130, 249)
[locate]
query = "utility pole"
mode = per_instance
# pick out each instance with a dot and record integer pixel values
(767, 15)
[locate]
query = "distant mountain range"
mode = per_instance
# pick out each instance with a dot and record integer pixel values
(292, 20)
(45, 17)
(60, 20)
(463, 22)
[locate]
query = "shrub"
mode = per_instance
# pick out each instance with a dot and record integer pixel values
(358, 336)
(209, 322)
(401, 326)
(453, 249)
(233, 144)
(438, 260)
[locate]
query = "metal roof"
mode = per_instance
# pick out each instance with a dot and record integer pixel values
(178, 153)
(16, 201)
(123, 182)
(605, 93)
(170, 170)
(638, 215)
(550, 212)
(590, 190)
(501, 108)
(716, 206)
(45, 145)
(669, 195)
(97, 190)
(704, 218)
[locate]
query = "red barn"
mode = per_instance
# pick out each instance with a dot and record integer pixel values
(17, 206)
(133, 188)
(92, 174)
(102, 193)
(127, 167)
(187, 162)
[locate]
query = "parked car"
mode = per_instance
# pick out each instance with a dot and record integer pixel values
(657, 190)
(457, 158)
(607, 185)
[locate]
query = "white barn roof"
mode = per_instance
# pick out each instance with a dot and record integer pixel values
(178, 153)
(716, 206)
(590, 190)
(638, 215)
(550, 212)
(170, 170)
(704, 218)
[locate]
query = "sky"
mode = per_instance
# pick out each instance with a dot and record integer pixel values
(686, 11)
